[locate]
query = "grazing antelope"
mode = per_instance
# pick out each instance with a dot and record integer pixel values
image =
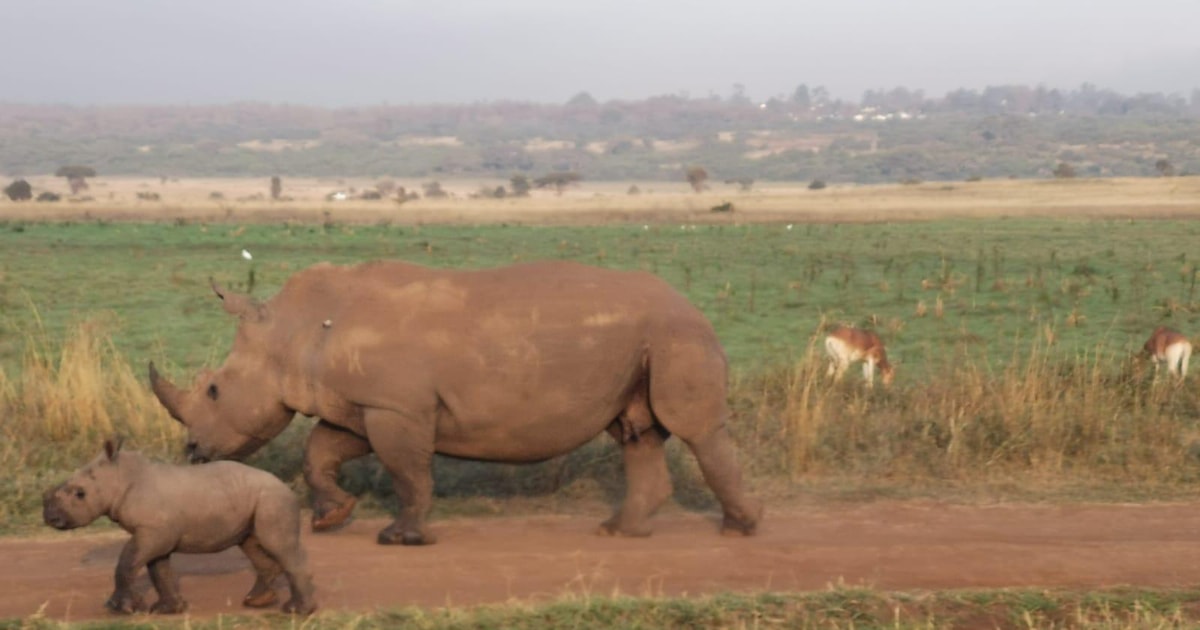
(846, 345)
(1170, 347)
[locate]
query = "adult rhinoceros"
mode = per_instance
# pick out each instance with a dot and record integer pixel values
(516, 364)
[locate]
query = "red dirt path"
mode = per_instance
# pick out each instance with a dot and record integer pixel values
(886, 545)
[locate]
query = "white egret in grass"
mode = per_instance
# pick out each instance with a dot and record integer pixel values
(246, 255)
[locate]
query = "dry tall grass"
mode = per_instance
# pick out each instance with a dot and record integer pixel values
(66, 400)
(1097, 418)
(1093, 420)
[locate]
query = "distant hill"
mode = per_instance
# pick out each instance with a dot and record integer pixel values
(889, 135)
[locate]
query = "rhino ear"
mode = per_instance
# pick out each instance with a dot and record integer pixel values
(244, 306)
(112, 446)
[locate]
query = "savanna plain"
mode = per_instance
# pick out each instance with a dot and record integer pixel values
(1012, 311)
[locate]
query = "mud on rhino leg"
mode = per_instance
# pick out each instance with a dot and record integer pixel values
(647, 483)
(404, 446)
(166, 585)
(266, 570)
(329, 447)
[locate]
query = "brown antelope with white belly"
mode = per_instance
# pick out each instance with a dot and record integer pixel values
(1171, 348)
(846, 345)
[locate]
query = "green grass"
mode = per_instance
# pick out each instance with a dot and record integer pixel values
(1018, 389)
(838, 607)
(765, 288)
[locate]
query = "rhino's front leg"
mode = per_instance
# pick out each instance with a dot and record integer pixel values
(330, 446)
(169, 602)
(143, 547)
(404, 445)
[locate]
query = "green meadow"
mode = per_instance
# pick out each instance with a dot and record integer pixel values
(1012, 339)
(934, 290)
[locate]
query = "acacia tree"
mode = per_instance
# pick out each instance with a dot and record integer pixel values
(433, 190)
(558, 180)
(697, 176)
(76, 177)
(520, 185)
(1164, 167)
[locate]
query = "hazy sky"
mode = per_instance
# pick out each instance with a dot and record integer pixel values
(362, 52)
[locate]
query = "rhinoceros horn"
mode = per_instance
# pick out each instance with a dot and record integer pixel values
(238, 304)
(167, 394)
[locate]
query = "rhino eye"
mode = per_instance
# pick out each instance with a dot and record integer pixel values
(80, 493)
(212, 391)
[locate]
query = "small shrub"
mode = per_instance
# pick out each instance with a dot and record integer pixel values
(19, 190)
(1064, 171)
(433, 190)
(816, 184)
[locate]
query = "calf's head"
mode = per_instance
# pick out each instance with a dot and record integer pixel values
(232, 412)
(87, 494)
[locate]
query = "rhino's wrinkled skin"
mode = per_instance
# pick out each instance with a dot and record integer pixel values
(190, 509)
(515, 364)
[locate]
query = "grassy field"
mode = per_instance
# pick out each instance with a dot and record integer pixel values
(1011, 337)
(838, 607)
(1011, 312)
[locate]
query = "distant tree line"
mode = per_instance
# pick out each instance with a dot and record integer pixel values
(887, 135)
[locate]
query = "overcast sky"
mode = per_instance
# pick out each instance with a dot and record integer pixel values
(363, 52)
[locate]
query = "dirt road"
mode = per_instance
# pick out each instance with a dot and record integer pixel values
(886, 545)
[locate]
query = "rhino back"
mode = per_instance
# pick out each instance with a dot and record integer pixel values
(208, 507)
(504, 356)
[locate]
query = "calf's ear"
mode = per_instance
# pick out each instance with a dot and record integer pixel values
(112, 446)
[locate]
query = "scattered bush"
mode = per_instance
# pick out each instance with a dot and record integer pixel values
(1064, 171)
(697, 177)
(19, 190)
(520, 185)
(816, 184)
(433, 190)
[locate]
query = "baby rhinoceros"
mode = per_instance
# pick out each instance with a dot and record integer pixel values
(191, 509)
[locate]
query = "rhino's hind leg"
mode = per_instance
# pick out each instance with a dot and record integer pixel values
(688, 396)
(405, 448)
(328, 448)
(266, 570)
(276, 543)
(169, 602)
(647, 484)
(718, 462)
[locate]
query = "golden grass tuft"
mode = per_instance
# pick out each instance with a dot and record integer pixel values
(66, 400)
